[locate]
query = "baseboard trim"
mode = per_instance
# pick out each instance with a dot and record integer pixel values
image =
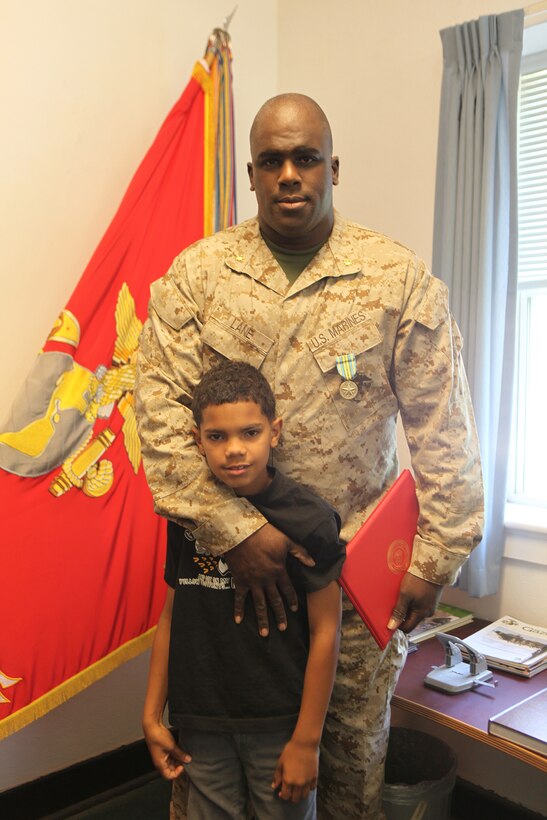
(86, 784)
(470, 802)
(81, 785)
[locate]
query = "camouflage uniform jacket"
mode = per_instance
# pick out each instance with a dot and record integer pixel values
(226, 296)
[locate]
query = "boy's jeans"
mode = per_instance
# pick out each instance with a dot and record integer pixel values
(228, 770)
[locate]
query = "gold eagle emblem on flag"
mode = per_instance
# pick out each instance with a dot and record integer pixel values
(52, 421)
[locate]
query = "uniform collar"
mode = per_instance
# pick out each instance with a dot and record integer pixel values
(252, 256)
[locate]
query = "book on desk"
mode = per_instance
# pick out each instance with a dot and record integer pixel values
(525, 723)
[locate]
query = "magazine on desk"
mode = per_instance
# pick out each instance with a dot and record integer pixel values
(444, 619)
(512, 645)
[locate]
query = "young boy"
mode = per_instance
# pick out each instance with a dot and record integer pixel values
(249, 709)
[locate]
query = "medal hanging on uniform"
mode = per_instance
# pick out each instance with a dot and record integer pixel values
(346, 365)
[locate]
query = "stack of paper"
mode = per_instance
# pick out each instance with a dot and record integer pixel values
(512, 645)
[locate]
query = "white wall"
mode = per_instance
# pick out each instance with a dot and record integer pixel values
(84, 87)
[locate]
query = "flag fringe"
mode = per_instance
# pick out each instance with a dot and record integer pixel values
(76, 684)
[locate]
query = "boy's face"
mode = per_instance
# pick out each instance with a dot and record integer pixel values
(236, 440)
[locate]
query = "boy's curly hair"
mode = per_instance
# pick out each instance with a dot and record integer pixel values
(229, 382)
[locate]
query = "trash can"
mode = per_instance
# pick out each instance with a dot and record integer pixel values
(419, 777)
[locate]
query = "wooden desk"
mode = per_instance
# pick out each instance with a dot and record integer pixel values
(467, 712)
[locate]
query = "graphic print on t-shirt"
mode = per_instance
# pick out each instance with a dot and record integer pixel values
(205, 570)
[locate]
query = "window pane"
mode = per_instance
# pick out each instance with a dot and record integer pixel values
(528, 474)
(531, 400)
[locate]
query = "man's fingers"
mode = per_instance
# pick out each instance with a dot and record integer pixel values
(412, 619)
(271, 595)
(302, 554)
(261, 610)
(258, 564)
(399, 612)
(417, 600)
(240, 596)
(405, 617)
(276, 602)
(285, 586)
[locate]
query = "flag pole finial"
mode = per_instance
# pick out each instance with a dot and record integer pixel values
(219, 38)
(228, 19)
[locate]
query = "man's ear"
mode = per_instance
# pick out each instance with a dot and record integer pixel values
(335, 165)
(276, 427)
(197, 439)
(250, 172)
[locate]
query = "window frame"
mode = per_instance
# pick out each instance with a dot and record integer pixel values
(525, 513)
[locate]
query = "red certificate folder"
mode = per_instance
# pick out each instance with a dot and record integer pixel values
(378, 556)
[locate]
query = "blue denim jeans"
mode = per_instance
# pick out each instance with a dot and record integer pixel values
(229, 771)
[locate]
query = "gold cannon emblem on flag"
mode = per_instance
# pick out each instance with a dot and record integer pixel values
(53, 423)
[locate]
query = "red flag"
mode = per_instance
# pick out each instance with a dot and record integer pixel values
(82, 551)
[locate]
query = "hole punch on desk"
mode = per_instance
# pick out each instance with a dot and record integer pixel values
(456, 675)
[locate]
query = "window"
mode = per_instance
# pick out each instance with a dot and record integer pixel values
(528, 474)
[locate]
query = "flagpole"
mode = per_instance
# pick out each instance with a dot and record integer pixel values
(219, 166)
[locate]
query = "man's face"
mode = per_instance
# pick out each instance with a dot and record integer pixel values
(292, 172)
(236, 439)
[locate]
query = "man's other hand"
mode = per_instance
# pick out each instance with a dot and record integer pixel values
(258, 566)
(417, 600)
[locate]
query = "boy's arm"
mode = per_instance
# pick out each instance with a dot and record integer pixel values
(169, 365)
(167, 757)
(297, 767)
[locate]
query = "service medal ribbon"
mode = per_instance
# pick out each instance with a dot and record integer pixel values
(346, 365)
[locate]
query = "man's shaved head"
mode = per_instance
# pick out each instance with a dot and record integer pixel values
(292, 171)
(276, 106)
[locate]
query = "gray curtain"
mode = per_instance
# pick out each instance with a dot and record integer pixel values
(475, 243)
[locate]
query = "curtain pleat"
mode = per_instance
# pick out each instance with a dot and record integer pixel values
(475, 243)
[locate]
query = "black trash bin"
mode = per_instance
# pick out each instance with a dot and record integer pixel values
(419, 778)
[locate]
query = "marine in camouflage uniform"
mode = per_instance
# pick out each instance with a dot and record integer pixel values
(362, 294)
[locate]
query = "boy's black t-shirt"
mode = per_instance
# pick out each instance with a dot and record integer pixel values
(224, 676)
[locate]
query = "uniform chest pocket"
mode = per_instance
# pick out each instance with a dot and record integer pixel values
(234, 338)
(374, 398)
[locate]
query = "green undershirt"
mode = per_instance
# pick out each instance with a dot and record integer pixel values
(292, 262)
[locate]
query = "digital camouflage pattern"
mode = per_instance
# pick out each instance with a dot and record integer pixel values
(227, 297)
(362, 293)
(354, 742)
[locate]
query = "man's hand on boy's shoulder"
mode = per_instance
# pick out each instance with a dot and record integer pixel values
(258, 566)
